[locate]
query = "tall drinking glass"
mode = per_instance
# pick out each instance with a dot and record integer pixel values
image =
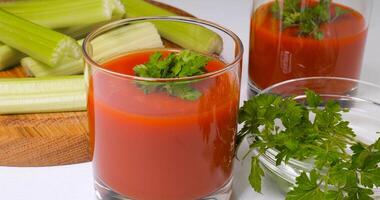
(154, 145)
(303, 38)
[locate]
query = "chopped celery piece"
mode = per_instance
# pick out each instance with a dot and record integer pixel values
(118, 11)
(11, 86)
(9, 57)
(37, 95)
(124, 39)
(189, 36)
(61, 13)
(35, 68)
(78, 32)
(41, 43)
(110, 44)
(42, 15)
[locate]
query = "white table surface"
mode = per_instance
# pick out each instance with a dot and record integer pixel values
(74, 182)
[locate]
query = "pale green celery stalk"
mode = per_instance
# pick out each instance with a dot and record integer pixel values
(188, 36)
(61, 13)
(78, 32)
(118, 11)
(12, 86)
(9, 57)
(35, 68)
(100, 11)
(109, 45)
(41, 43)
(38, 95)
(128, 38)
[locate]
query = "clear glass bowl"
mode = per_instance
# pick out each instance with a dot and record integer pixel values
(363, 100)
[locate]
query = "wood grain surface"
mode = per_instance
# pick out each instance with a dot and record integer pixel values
(50, 138)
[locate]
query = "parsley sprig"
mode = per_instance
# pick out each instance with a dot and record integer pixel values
(176, 65)
(311, 132)
(308, 19)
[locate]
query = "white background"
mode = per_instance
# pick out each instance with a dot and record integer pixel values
(75, 182)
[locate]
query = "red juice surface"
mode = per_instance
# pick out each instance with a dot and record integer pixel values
(158, 147)
(277, 55)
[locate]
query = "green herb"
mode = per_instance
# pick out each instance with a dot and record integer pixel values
(176, 65)
(284, 124)
(308, 19)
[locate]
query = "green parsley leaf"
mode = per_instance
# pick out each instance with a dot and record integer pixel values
(284, 124)
(309, 19)
(370, 178)
(256, 174)
(182, 91)
(313, 100)
(334, 195)
(176, 65)
(307, 188)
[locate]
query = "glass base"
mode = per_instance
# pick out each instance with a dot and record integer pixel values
(103, 192)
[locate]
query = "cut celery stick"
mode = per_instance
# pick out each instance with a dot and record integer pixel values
(128, 38)
(41, 103)
(35, 68)
(38, 95)
(109, 45)
(9, 57)
(61, 13)
(42, 15)
(43, 44)
(118, 11)
(13, 86)
(188, 36)
(78, 32)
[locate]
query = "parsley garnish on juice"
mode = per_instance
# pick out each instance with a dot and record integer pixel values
(337, 174)
(308, 18)
(181, 64)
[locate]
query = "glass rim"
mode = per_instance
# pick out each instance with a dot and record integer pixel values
(327, 78)
(189, 20)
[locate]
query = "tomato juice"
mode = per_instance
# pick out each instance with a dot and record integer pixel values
(159, 147)
(277, 55)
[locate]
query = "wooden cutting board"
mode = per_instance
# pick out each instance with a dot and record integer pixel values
(47, 139)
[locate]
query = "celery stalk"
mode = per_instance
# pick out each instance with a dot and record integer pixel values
(13, 86)
(78, 32)
(9, 57)
(41, 43)
(188, 36)
(37, 95)
(111, 44)
(54, 14)
(61, 13)
(118, 11)
(128, 38)
(35, 68)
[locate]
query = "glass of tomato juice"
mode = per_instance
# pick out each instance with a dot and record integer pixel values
(304, 38)
(157, 145)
